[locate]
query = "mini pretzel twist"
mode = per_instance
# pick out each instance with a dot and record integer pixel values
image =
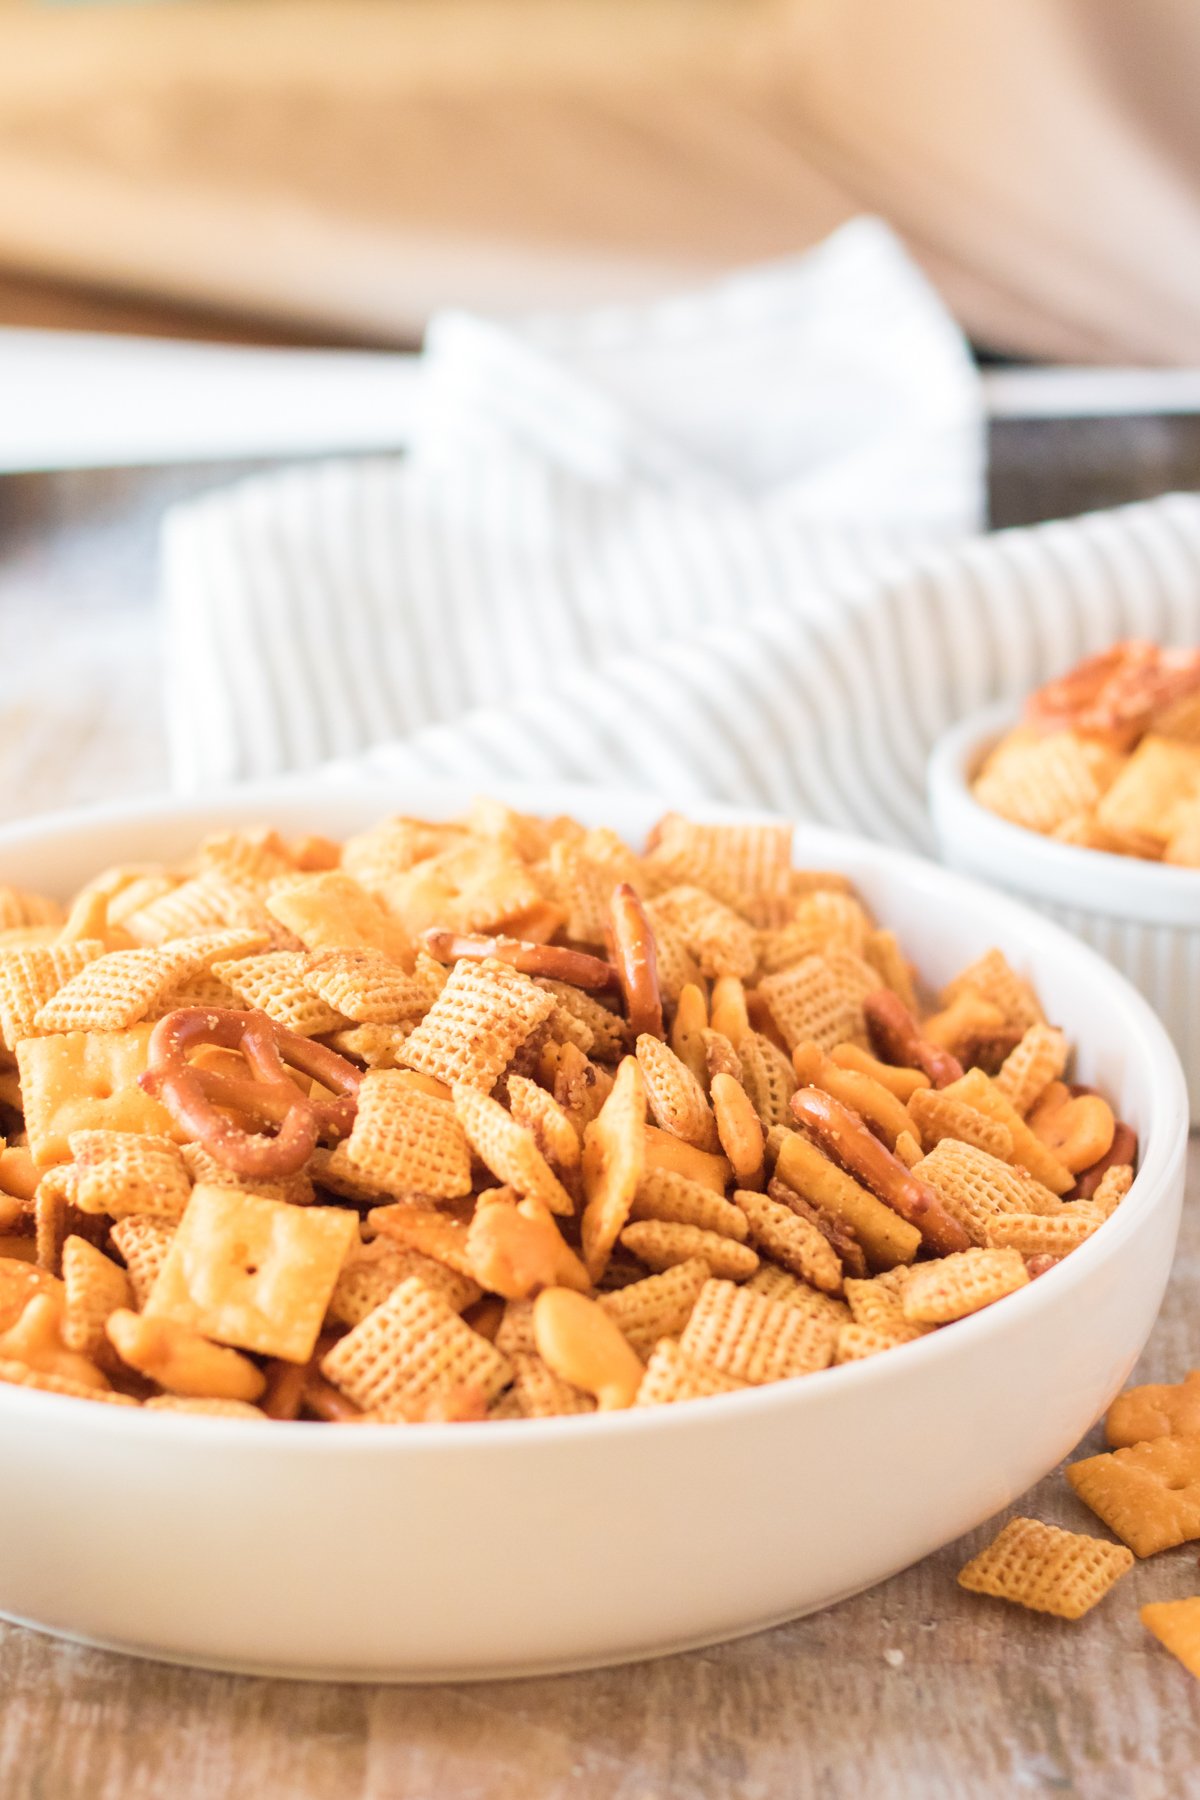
(575, 967)
(844, 1136)
(897, 1038)
(633, 950)
(194, 1096)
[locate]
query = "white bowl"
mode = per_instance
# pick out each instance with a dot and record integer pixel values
(439, 1552)
(1144, 917)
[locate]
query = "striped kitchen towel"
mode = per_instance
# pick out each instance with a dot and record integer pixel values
(722, 547)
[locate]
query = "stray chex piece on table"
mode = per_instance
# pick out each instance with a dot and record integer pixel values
(1046, 1569)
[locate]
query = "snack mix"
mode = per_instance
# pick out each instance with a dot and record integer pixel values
(496, 1119)
(1108, 757)
(1145, 1489)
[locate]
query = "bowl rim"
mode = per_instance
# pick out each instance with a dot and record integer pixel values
(1162, 1154)
(1095, 881)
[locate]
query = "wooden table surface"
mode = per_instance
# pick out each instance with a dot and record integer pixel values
(913, 1690)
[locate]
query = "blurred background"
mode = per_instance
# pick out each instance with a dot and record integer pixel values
(333, 170)
(224, 225)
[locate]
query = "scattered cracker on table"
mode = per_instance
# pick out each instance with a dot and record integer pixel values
(1149, 1494)
(1176, 1625)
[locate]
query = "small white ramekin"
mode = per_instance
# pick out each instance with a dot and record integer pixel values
(1144, 917)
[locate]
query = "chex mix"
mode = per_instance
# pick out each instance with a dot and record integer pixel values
(1107, 757)
(500, 1119)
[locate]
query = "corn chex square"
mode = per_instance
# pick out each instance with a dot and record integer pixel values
(410, 1348)
(120, 1172)
(274, 983)
(368, 987)
(477, 1024)
(1046, 1569)
(29, 978)
(509, 1150)
(142, 1243)
(255, 1274)
(407, 1141)
(116, 990)
(755, 1339)
(371, 1273)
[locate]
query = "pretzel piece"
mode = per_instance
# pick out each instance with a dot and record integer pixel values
(636, 957)
(846, 1138)
(192, 1097)
(574, 967)
(897, 1038)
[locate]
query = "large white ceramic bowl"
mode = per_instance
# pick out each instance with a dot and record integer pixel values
(428, 1552)
(1144, 917)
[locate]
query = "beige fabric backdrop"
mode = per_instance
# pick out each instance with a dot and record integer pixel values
(348, 165)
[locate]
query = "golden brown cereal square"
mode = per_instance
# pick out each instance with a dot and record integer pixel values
(410, 1348)
(1040, 779)
(29, 978)
(372, 1272)
(274, 983)
(719, 938)
(120, 1172)
(368, 987)
(509, 1150)
(951, 1287)
(474, 1028)
(659, 1306)
(734, 862)
(142, 1243)
(544, 1395)
(755, 1339)
(663, 1194)
(404, 1140)
(296, 1189)
(791, 1241)
(671, 1377)
(810, 1001)
(256, 1274)
(676, 1098)
(661, 1244)
(19, 907)
(94, 1287)
(114, 991)
(1046, 1569)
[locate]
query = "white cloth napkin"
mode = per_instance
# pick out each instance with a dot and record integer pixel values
(582, 489)
(720, 547)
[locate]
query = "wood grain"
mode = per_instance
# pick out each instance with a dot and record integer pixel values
(913, 1690)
